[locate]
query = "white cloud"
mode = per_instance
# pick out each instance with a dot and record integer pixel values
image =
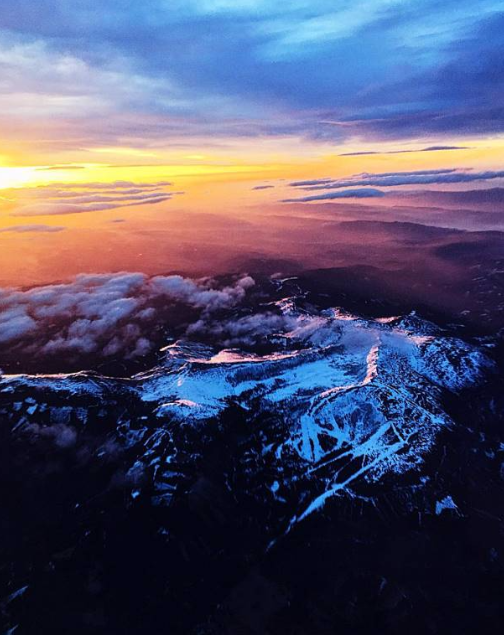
(105, 314)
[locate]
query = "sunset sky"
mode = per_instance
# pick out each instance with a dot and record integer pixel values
(144, 134)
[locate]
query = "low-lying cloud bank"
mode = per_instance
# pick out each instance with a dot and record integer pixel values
(357, 193)
(97, 185)
(23, 229)
(396, 179)
(78, 198)
(106, 315)
(409, 151)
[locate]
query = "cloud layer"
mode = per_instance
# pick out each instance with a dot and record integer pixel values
(395, 179)
(356, 193)
(59, 200)
(428, 149)
(23, 229)
(106, 315)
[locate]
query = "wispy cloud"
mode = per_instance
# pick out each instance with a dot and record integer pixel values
(49, 209)
(89, 197)
(61, 167)
(114, 185)
(22, 229)
(396, 179)
(358, 193)
(428, 149)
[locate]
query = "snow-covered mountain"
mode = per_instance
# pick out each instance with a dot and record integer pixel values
(348, 400)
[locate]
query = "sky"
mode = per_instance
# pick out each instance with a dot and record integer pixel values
(166, 110)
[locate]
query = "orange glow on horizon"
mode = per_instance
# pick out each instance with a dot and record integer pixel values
(199, 166)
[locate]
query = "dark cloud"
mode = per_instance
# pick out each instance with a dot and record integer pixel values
(310, 182)
(182, 70)
(358, 193)
(461, 91)
(263, 187)
(428, 149)
(329, 181)
(461, 122)
(394, 179)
